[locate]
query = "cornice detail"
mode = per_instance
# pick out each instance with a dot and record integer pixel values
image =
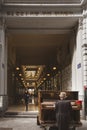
(40, 14)
(43, 2)
(85, 12)
(81, 23)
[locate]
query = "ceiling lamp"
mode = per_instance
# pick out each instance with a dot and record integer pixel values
(20, 74)
(54, 68)
(17, 68)
(48, 74)
(44, 78)
(28, 84)
(39, 68)
(21, 78)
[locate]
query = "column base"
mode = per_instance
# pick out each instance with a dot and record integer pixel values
(3, 104)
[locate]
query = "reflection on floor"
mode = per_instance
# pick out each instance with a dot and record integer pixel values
(21, 107)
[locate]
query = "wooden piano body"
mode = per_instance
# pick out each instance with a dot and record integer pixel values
(46, 101)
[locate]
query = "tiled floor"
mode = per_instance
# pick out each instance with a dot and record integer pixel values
(84, 125)
(19, 123)
(26, 123)
(5, 128)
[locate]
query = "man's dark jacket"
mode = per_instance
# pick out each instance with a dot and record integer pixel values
(63, 110)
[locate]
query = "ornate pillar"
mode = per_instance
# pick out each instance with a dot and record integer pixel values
(84, 56)
(3, 68)
(76, 44)
(79, 64)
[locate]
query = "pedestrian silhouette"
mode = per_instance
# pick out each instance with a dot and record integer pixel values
(26, 98)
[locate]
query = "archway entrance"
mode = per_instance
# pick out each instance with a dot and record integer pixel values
(37, 45)
(33, 64)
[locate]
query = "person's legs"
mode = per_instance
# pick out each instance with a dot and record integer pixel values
(26, 106)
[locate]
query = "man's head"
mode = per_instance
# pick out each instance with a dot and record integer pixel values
(62, 95)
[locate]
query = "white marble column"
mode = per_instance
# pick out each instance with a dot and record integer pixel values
(79, 60)
(79, 72)
(84, 53)
(73, 55)
(3, 67)
(84, 49)
(2, 61)
(77, 77)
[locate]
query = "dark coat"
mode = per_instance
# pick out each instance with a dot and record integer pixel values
(26, 98)
(63, 110)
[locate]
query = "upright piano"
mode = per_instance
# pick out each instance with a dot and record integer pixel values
(46, 103)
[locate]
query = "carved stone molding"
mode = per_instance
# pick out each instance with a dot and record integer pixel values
(84, 46)
(44, 1)
(85, 12)
(37, 13)
(81, 23)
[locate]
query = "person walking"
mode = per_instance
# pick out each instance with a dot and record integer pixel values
(26, 98)
(63, 111)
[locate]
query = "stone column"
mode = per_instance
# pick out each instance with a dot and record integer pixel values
(3, 69)
(76, 42)
(84, 55)
(79, 65)
(73, 57)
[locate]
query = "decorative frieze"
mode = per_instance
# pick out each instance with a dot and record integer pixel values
(84, 61)
(81, 23)
(43, 1)
(40, 13)
(84, 48)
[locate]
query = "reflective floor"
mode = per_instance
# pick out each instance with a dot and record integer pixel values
(21, 107)
(9, 123)
(19, 124)
(27, 124)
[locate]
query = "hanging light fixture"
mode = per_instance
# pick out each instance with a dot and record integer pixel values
(54, 68)
(17, 68)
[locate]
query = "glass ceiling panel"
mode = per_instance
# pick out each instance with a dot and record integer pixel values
(32, 72)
